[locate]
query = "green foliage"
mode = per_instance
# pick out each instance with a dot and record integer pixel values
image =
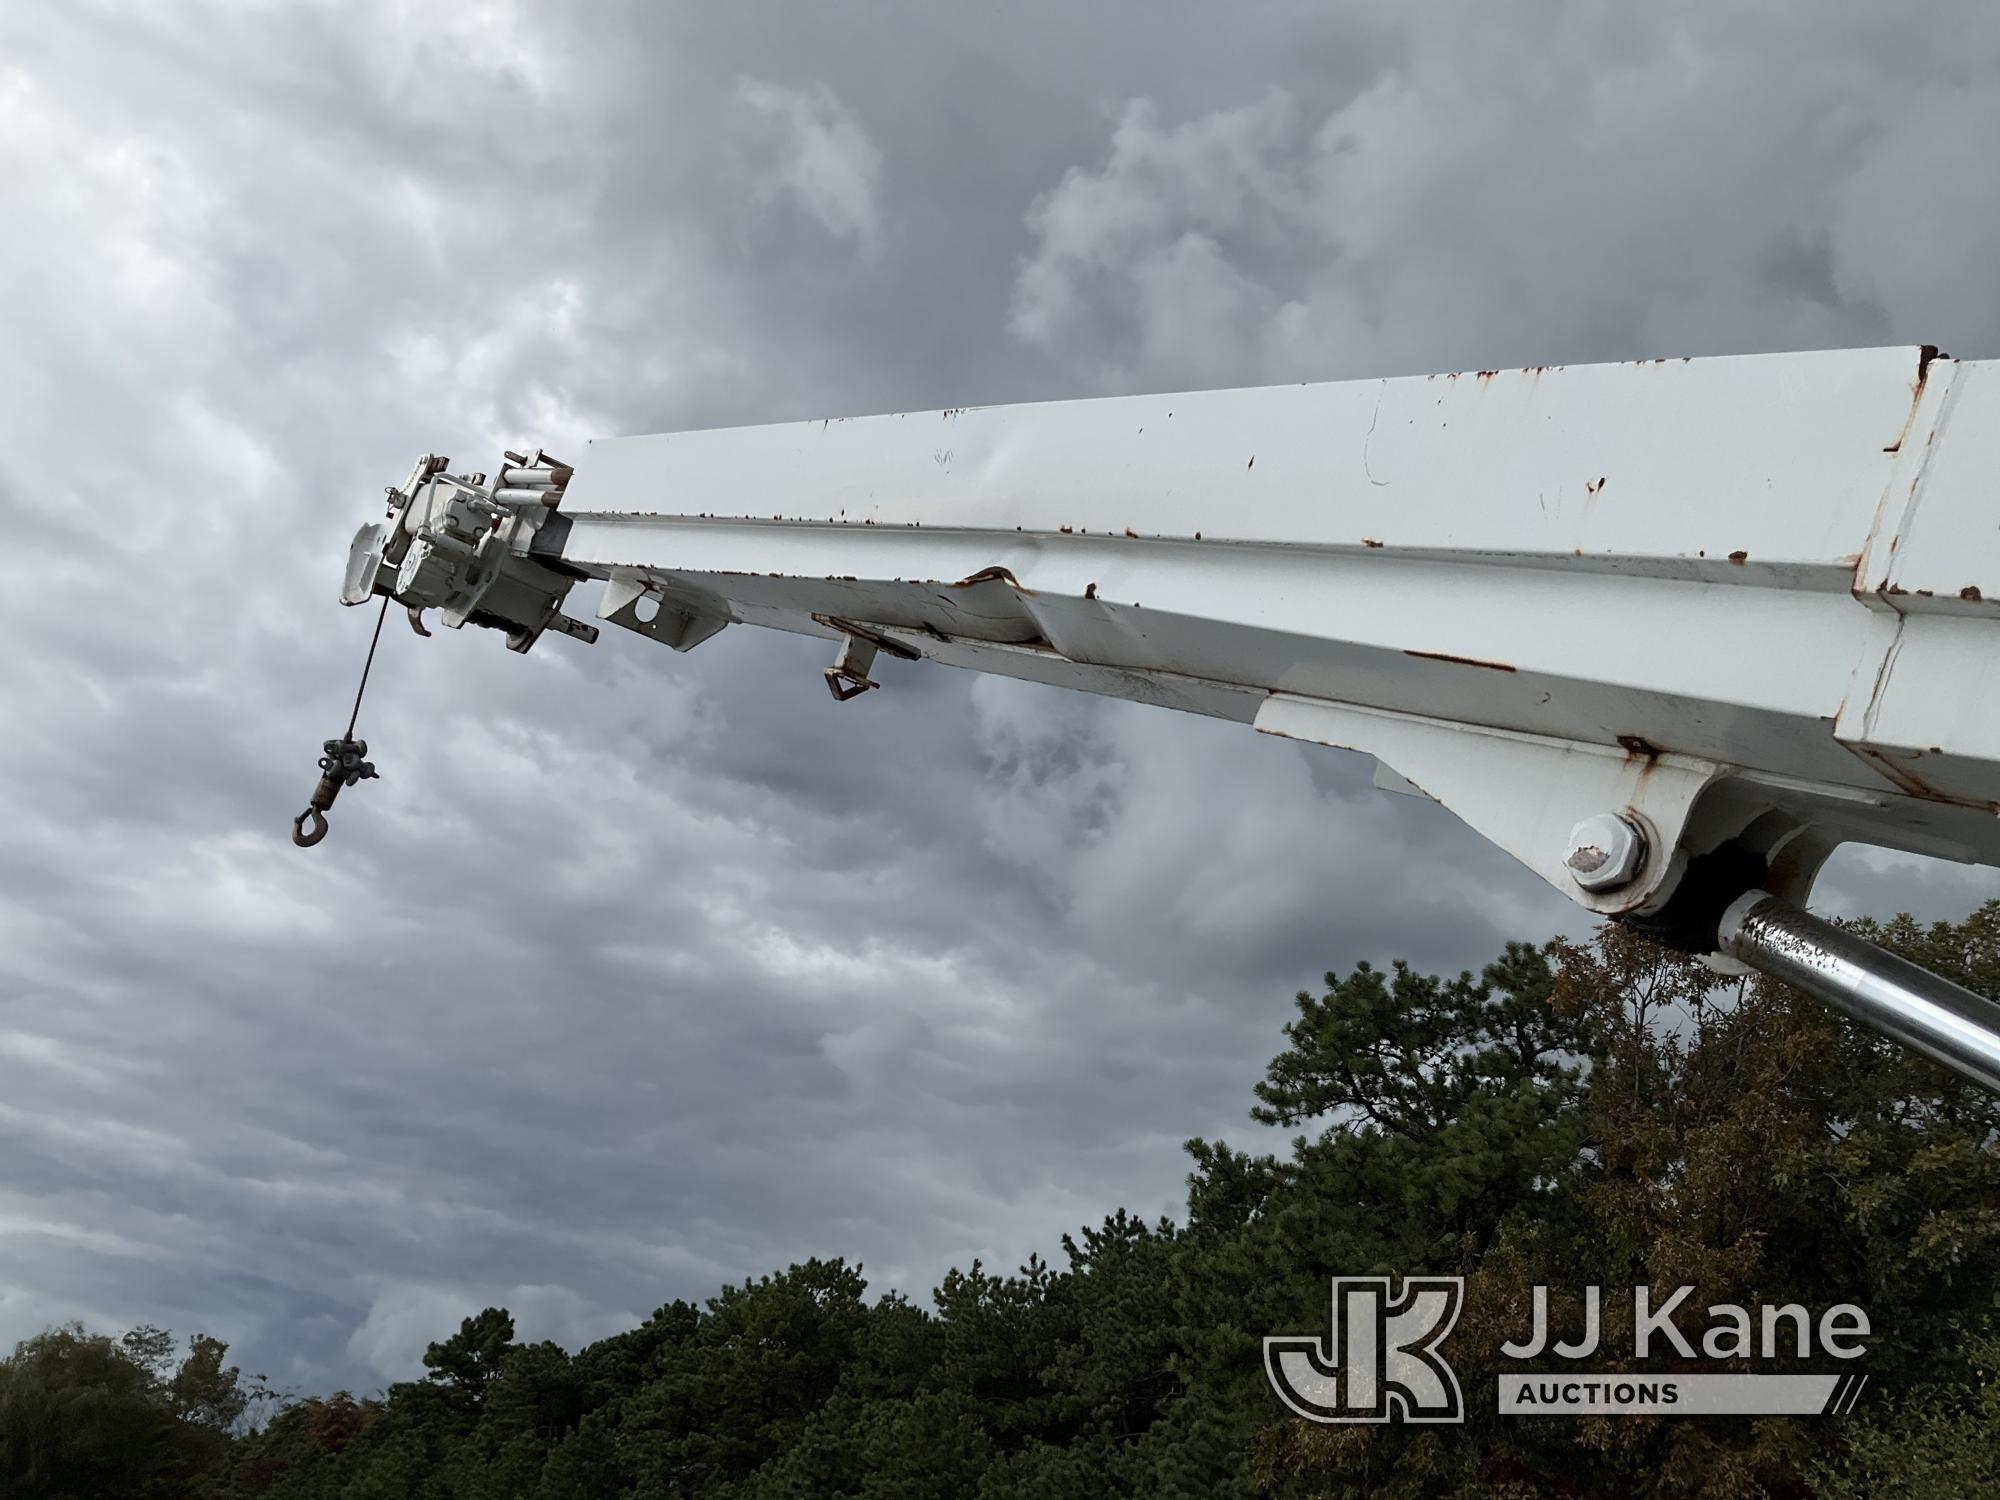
(470, 1360)
(1602, 1114)
(1937, 1444)
(82, 1415)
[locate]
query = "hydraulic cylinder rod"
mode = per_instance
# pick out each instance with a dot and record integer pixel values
(1945, 1022)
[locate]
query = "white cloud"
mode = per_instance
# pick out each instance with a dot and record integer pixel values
(406, 1319)
(821, 158)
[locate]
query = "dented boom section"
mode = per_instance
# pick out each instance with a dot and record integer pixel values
(1667, 632)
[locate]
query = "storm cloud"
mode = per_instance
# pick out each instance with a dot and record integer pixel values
(637, 973)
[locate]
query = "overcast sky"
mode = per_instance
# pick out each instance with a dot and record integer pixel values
(639, 973)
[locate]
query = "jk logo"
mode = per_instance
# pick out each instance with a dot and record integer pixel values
(1380, 1360)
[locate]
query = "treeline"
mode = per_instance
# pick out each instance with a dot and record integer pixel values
(1575, 1115)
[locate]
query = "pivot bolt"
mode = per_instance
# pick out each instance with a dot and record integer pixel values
(1605, 852)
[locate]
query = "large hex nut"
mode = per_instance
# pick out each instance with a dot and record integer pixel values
(1605, 852)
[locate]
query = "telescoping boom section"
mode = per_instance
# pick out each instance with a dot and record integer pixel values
(1666, 632)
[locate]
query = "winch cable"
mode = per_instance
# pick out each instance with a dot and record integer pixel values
(344, 760)
(367, 666)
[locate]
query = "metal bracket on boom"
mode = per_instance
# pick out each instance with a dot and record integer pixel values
(631, 600)
(848, 676)
(468, 549)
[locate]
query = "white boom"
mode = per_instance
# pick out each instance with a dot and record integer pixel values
(1667, 633)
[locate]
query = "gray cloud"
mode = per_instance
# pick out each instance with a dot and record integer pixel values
(637, 973)
(820, 158)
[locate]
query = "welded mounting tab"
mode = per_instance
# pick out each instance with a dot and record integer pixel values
(633, 601)
(848, 676)
(1519, 790)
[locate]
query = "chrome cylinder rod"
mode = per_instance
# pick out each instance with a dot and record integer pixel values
(1944, 1021)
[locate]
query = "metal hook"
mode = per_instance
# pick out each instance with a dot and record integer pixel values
(341, 765)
